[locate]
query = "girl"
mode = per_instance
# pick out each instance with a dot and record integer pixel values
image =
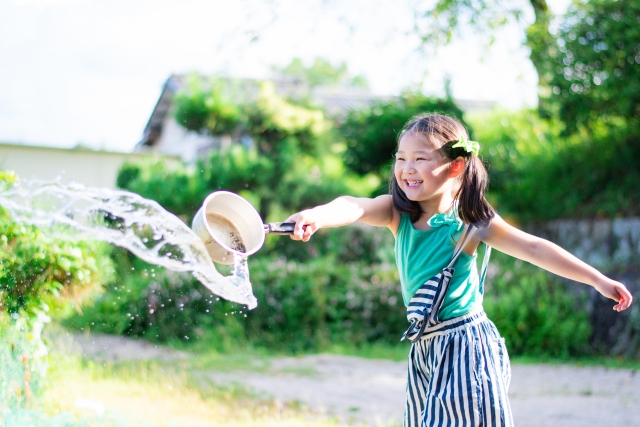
(459, 369)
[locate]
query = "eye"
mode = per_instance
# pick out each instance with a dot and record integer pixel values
(399, 159)
(421, 158)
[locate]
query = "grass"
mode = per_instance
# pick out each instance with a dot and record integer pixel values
(84, 393)
(582, 361)
(245, 356)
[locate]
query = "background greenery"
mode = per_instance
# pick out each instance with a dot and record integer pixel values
(575, 156)
(547, 163)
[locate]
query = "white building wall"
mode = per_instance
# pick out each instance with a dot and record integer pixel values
(177, 141)
(90, 168)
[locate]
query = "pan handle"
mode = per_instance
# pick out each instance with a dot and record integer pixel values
(279, 227)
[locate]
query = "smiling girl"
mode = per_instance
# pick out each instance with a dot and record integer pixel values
(459, 370)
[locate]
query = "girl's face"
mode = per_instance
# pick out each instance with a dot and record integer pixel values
(421, 171)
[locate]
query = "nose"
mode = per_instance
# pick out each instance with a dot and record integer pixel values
(409, 167)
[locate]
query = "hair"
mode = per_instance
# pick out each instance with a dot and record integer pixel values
(443, 132)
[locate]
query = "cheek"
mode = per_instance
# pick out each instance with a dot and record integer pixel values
(397, 170)
(442, 169)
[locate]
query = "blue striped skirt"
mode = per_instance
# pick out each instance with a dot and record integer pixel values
(459, 374)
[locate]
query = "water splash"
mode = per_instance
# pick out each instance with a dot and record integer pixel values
(125, 219)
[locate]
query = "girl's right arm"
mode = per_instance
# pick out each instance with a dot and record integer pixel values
(345, 210)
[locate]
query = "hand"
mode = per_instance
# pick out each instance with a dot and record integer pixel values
(306, 224)
(616, 291)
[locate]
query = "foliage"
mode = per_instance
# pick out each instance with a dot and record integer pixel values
(206, 108)
(308, 301)
(314, 302)
(273, 118)
(39, 271)
(597, 64)
(21, 363)
(438, 22)
(228, 107)
(321, 73)
(160, 305)
(371, 134)
(537, 174)
(535, 312)
(39, 275)
(275, 186)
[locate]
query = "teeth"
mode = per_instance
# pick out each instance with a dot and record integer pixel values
(414, 183)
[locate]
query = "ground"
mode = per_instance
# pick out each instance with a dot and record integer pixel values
(369, 391)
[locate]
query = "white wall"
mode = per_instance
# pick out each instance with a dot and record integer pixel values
(90, 168)
(177, 141)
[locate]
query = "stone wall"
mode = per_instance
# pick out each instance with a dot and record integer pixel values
(600, 242)
(613, 247)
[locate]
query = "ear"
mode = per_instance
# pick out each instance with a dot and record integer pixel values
(457, 167)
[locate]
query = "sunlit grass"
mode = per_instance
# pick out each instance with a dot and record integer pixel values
(583, 361)
(247, 357)
(151, 394)
(86, 393)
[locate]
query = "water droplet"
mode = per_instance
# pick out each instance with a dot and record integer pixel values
(74, 206)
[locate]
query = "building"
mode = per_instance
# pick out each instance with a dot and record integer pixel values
(92, 168)
(164, 135)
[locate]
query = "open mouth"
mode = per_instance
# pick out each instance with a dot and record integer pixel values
(412, 184)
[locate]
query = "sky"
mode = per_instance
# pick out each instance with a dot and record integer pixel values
(89, 72)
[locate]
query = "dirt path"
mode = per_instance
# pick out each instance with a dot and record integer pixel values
(372, 391)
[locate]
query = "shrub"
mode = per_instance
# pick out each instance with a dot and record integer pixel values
(536, 313)
(39, 276)
(537, 174)
(371, 134)
(306, 302)
(39, 271)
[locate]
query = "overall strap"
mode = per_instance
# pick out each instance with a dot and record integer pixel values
(485, 264)
(467, 233)
(465, 237)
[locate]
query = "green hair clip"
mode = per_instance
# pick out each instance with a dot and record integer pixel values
(468, 145)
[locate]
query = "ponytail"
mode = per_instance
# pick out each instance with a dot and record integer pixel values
(473, 208)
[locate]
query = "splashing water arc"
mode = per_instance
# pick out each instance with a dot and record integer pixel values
(125, 219)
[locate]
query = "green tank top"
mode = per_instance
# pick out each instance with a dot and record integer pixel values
(421, 254)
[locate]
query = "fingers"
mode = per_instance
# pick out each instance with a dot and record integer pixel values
(625, 299)
(309, 229)
(305, 225)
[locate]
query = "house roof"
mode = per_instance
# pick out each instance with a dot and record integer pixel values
(335, 101)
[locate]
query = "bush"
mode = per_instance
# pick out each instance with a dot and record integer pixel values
(535, 312)
(306, 301)
(39, 276)
(39, 271)
(372, 134)
(157, 304)
(538, 175)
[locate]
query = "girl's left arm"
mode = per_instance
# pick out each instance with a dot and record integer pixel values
(551, 257)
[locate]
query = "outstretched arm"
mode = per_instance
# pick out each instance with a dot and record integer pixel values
(553, 258)
(343, 211)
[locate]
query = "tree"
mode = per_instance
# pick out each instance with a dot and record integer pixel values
(438, 23)
(597, 64)
(372, 134)
(292, 164)
(321, 73)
